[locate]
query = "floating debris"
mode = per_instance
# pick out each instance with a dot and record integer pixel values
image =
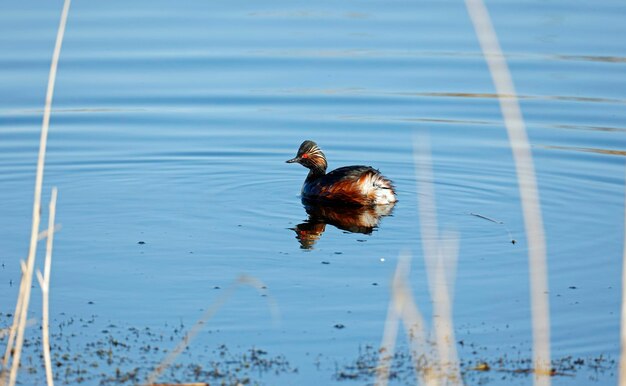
(513, 241)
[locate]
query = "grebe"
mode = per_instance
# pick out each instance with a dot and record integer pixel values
(352, 185)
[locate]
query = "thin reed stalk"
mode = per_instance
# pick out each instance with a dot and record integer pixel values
(402, 307)
(44, 283)
(390, 336)
(208, 314)
(13, 328)
(414, 325)
(622, 360)
(44, 233)
(522, 156)
(442, 309)
(27, 277)
(6, 331)
(440, 256)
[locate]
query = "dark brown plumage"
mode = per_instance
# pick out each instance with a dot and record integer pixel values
(352, 185)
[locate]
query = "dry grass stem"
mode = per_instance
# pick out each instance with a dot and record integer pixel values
(27, 278)
(44, 233)
(622, 361)
(6, 331)
(208, 314)
(388, 344)
(390, 332)
(44, 283)
(426, 205)
(413, 322)
(442, 308)
(13, 328)
(527, 185)
(402, 307)
(440, 255)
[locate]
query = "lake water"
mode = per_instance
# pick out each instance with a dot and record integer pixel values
(169, 132)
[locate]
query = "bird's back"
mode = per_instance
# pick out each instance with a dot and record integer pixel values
(357, 185)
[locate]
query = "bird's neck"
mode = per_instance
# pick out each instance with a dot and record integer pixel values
(315, 173)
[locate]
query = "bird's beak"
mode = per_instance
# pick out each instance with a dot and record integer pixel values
(290, 161)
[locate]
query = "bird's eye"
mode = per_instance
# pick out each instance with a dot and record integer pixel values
(305, 155)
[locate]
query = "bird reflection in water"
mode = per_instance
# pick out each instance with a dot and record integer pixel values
(360, 219)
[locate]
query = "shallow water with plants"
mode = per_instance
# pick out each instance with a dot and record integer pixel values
(170, 129)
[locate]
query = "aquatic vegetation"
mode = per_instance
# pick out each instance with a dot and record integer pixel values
(478, 367)
(93, 351)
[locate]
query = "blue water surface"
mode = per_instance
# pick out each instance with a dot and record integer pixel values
(170, 127)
